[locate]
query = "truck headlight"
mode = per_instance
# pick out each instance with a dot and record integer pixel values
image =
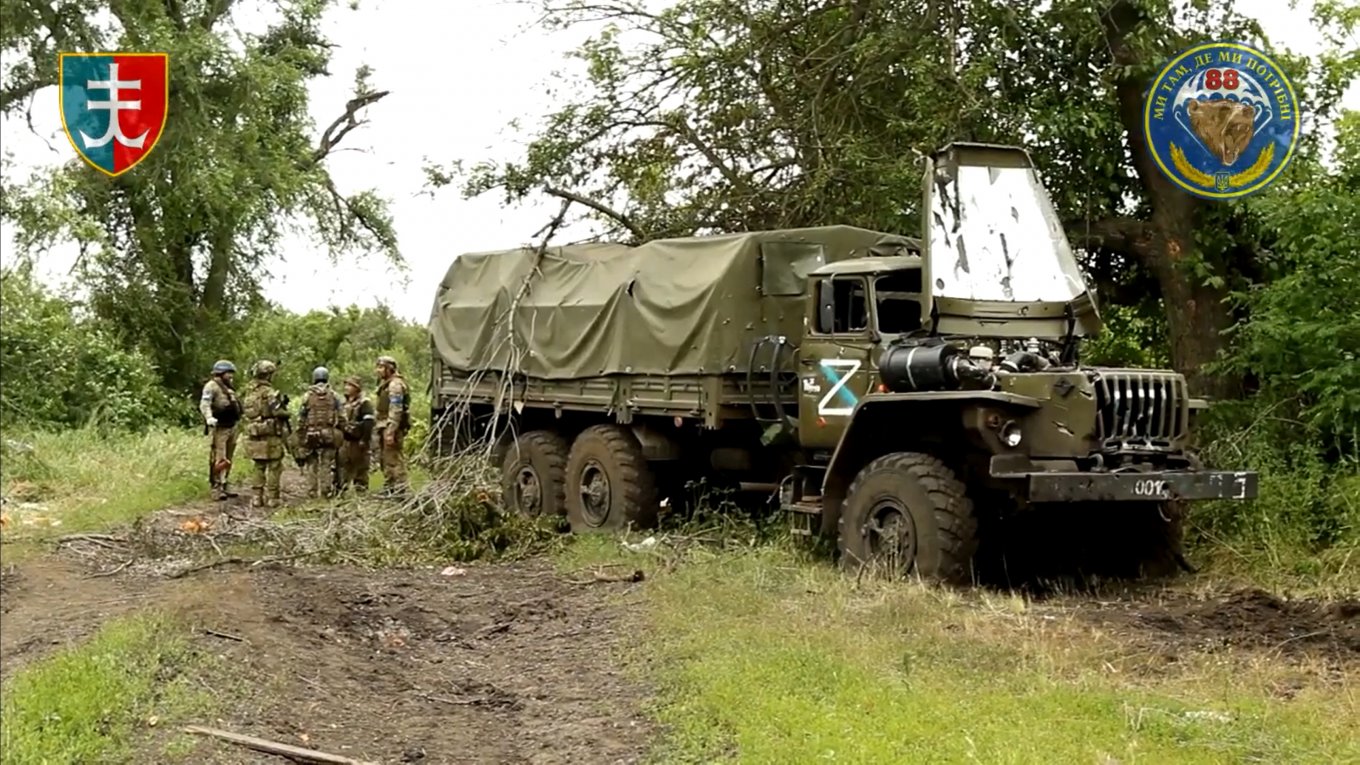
(1010, 434)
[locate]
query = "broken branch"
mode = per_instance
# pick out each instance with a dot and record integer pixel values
(228, 561)
(1126, 236)
(103, 540)
(346, 122)
(274, 747)
(598, 207)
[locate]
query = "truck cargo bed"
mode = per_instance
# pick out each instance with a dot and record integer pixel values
(710, 398)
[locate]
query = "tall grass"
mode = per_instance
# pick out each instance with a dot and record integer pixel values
(83, 479)
(1303, 530)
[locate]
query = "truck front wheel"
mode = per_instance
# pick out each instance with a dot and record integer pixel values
(533, 474)
(609, 484)
(909, 513)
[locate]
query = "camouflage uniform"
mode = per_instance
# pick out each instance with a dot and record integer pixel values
(266, 416)
(221, 410)
(356, 422)
(393, 422)
(319, 422)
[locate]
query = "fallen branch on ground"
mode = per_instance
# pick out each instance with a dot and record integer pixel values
(601, 578)
(244, 561)
(103, 540)
(111, 571)
(274, 747)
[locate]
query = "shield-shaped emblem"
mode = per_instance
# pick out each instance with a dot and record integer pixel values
(113, 106)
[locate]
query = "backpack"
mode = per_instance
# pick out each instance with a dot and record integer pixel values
(321, 408)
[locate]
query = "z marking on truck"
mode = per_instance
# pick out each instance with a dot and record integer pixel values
(829, 367)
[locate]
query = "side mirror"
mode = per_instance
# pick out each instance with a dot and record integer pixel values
(826, 306)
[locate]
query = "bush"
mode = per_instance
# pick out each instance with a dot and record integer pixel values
(63, 371)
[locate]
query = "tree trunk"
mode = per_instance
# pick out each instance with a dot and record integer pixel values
(1196, 313)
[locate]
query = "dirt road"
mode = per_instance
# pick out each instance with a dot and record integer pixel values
(499, 664)
(486, 664)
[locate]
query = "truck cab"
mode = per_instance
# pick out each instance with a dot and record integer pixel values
(942, 388)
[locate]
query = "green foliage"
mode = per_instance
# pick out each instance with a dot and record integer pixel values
(718, 115)
(1305, 523)
(347, 341)
(65, 369)
(88, 703)
(1134, 336)
(1301, 429)
(185, 238)
(455, 516)
(62, 370)
(1302, 343)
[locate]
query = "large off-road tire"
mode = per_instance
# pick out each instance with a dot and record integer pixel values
(907, 514)
(533, 475)
(609, 484)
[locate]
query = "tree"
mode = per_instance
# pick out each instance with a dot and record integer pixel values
(174, 248)
(725, 115)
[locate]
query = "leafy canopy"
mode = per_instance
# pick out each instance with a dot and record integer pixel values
(175, 247)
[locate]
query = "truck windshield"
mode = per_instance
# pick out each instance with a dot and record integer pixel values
(897, 297)
(994, 235)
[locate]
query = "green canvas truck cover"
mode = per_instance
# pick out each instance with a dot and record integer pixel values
(685, 306)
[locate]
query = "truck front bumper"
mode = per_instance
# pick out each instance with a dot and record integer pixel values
(1140, 487)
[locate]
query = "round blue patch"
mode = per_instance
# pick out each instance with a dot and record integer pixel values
(1221, 120)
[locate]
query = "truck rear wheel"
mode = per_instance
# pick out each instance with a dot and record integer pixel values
(609, 484)
(533, 474)
(909, 513)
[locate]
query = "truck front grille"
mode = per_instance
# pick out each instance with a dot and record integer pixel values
(1140, 408)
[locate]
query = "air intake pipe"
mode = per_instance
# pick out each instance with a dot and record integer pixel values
(915, 368)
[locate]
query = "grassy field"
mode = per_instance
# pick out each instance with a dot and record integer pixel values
(78, 480)
(786, 661)
(758, 652)
(92, 702)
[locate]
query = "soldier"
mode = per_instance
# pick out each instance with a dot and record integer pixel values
(221, 410)
(319, 421)
(266, 415)
(394, 421)
(356, 422)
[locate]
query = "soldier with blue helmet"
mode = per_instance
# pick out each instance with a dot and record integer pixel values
(320, 436)
(221, 410)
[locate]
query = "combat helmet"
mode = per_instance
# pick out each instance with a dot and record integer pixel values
(356, 381)
(222, 367)
(388, 361)
(264, 369)
(320, 375)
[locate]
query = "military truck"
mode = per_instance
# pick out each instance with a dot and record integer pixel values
(900, 396)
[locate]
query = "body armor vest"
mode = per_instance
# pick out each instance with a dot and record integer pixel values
(321, 410)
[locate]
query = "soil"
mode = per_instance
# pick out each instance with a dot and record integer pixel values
(505, 663)
(1248, 620)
